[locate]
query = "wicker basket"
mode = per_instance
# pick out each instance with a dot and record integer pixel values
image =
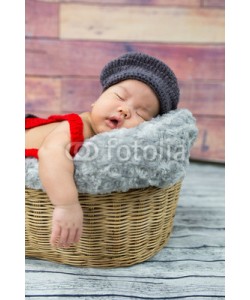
(120, 229)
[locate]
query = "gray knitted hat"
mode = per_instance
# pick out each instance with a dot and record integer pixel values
(156, 74)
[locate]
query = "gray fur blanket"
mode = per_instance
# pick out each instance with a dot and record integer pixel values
(155, 153)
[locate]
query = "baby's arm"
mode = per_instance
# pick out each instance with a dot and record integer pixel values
(56, 171)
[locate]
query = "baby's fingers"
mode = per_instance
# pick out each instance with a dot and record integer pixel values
(78, 235)
(72, 236)
(56, 232)
(63, 241)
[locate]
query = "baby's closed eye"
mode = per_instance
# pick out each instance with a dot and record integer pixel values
(119, 96)
(143, 113)
(140, 115)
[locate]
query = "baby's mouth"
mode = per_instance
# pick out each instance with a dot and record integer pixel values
(114, 122)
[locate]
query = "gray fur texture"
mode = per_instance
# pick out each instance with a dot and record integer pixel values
(155, 153)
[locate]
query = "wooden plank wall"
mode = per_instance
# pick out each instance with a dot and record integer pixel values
(69, 41)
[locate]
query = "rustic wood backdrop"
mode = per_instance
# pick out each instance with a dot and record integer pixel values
(69, 41)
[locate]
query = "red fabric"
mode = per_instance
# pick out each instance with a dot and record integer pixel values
(31, 152)
(75, 125)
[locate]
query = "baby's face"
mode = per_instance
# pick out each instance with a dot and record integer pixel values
(125, 104)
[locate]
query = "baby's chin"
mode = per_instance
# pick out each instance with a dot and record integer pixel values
(102, 129)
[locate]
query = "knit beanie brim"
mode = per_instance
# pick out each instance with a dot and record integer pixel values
(150, 70)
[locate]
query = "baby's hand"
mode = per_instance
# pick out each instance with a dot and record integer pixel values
(66, 225)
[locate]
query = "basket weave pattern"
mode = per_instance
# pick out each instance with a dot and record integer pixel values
(120, 229)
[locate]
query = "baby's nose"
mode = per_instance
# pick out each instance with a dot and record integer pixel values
(125, 111)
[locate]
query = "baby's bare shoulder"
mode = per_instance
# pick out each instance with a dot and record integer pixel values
(34, 137)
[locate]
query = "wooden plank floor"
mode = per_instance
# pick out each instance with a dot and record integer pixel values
(191, 265)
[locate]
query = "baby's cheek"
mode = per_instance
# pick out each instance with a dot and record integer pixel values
(136, 122)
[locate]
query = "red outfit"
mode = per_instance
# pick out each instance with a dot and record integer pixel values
(76, 131)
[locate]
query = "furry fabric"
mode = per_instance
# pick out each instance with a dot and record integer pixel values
(155, 153)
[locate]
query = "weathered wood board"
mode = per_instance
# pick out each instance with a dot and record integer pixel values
(76, 94)
(49, 57)
(191, 3)
(141, 23)
(184, 3)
